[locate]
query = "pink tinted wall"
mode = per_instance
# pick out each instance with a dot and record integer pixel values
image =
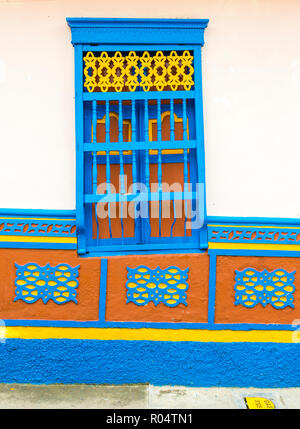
(251, 71)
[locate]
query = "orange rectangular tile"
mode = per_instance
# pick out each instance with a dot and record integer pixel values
(227, 312)
(197, 294)
(87, 291)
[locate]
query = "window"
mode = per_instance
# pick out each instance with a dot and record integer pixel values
(139, 135)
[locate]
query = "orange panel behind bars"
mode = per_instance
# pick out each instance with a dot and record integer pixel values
(171, 173)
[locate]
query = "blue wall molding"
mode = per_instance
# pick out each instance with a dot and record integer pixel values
(158, 325)
(32, 227)
(38, 213)
(253, 220)
(62, 223)
(37, 229)
(253, 234)
(246, 232)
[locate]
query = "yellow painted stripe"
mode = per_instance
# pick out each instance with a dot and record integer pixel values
(37, 218)
(149, 334)
(244, 246)
(256, 226)
(37, 239)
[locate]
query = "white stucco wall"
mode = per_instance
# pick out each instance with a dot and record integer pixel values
(251, 71)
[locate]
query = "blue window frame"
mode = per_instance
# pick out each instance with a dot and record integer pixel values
(140, 173)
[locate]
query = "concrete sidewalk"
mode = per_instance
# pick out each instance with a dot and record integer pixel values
(137, 396)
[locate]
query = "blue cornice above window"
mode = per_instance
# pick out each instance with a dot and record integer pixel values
(114, 30)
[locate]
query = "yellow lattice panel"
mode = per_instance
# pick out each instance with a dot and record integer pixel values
(120, 72)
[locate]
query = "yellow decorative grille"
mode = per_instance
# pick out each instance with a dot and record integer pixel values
(149, 71)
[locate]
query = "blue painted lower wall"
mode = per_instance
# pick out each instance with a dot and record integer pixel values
(155, 362)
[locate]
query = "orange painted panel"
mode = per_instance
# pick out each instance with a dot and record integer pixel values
(197, 294)
(172, 175)
(227, 312)
(115, 208)
(87, 291)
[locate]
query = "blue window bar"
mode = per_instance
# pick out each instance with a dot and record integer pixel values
(139, 137)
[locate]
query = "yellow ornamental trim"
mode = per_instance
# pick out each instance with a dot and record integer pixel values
(153, 70)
